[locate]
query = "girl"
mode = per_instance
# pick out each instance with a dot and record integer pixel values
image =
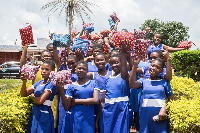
(157, 46)
(79, 100)
(97, 48)
(115, 101)
(42, 93)
(152, 101)
(71, 64)
(100, 76)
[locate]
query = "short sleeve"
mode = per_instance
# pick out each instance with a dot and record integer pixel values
(96, 87)
(161, 75)
(145, 69)
(141, 82)
(69, 91)
(168, 89)
(36, 84)
(108, 67)
(50, 86)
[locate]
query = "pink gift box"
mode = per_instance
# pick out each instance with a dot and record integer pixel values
(63, 76)
(114, 17)
(26, 35)
(185, 44)
(120, 37)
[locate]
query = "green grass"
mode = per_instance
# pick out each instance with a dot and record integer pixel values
(6, 84)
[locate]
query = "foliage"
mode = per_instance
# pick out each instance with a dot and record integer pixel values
(172, 32)
(184, 110)
(187, 63)
(71, 7)
(14, 110)
(9, 84)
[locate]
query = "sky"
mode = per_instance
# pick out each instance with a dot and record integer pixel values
(132, 14)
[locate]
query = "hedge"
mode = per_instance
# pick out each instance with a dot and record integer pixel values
(184, 110)
(187, 63)
(14, 109)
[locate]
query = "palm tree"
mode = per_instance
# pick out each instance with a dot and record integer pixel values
(70, 7)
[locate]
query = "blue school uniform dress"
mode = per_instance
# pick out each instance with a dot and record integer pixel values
(99, 80)
(152, 48)
(80, 118)
(62, 112)
(41, 119)
(115, 113)
(152, 100)
(93, 68)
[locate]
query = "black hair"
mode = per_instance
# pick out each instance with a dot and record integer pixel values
(72, 57)
(97, 45)
(161, 61)
(48, 45)
(159, 34)
(82, 62)
(50, 62)
(116, 55)
(159, 52)
(100, 54)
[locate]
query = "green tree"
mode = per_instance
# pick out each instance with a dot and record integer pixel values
(172, 32)
(71, 8)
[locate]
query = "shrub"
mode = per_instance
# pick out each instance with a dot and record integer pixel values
(187, 63)
(184, 110)
(14, 110)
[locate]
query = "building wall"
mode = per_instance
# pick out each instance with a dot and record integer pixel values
(9, 56)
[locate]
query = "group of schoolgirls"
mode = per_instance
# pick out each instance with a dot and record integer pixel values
(100, 97)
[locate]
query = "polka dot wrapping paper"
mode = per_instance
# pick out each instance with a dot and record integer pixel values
(185, 44)
(63, 76)
(26, 35)
(119, 37)
(29, 71)
(94, 36)
(62, 55)
(105, 32)
(106, 48)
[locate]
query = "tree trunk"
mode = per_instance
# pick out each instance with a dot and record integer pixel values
(70, 16)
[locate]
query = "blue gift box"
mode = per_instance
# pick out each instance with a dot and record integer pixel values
(61, 39)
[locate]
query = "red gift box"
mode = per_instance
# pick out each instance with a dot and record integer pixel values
(26, 35)
(120, 37)
(94, 36)
(185, 44)
(105, 32)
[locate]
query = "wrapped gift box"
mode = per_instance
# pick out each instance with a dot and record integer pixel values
(26, 35)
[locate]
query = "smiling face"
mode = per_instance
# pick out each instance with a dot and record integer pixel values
(155, 68)
(157, 38)
(115, 64)
(45, 70)
(100, 61)
(153, 56)
(46, 56)
(81, 70)
(71, 63)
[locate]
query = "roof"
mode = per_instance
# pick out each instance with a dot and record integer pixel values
(40, 46)
(10, 48)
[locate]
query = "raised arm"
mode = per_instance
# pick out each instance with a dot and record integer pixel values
(132, 82)
(25, 92)
(124, 68)
(56, 58)
(168, 75)
(23, 56)
(171, 49)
